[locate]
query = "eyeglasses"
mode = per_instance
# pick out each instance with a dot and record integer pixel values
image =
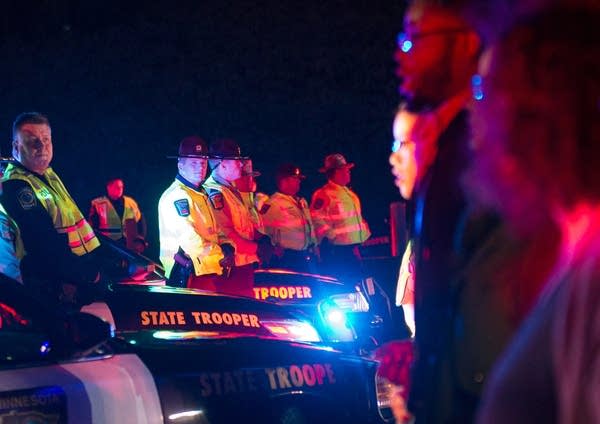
(398, 144)
(406, 42)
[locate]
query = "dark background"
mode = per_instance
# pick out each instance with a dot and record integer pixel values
(122, 83)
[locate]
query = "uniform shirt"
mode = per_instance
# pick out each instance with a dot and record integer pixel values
(186, 220)
(336, 213)
(288, 222)
(11, 247)
(235, 223)
(47, 251)
(110, 218)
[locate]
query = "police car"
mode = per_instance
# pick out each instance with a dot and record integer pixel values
(178, 356)
(352, 317)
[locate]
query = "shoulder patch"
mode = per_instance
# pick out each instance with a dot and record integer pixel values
(216, 200)
(26, 198)
(182, 206)
(318, 203)
(264, 209)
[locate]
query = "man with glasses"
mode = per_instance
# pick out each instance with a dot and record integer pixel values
(470, 289)
(437, 55)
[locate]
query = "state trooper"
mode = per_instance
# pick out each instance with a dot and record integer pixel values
(246, 184)
(286, 219)
(56, 237)
(111, 214)
(189, 242)
(238, 232)
(339, 224)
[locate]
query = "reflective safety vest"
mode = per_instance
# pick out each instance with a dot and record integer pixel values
(109, 222)
(63, 211)
(249, 200)
(11, 247)
(288, 222)
(336, 213)
(235, 223)
(186, 220)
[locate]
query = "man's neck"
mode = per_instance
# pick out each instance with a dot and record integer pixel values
(188, 182)
(336, 183)
(35, 171)
(221, 180)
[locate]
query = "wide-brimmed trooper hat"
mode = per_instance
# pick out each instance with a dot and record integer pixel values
(248, 171)
(226, 148)
(335, 161)
(289, 170)
(192, 146)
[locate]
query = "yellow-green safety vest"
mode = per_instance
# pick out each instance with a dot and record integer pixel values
(63, 211)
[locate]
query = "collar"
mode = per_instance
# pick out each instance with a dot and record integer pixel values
(18, 164)
(187, 183)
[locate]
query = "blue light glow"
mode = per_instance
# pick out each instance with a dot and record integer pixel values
(404, 43)
(336, 317)
(477, 87)
(45, 348)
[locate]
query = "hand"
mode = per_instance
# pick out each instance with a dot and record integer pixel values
(278, 251)
(228, 260)
(264, 250)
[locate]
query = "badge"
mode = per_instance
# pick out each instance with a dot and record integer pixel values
(318, 204)
(264, 209)
(216, 200)
(44, 193)
(26, 198)
(183, 207)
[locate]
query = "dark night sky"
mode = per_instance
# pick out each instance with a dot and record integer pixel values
(122, 84)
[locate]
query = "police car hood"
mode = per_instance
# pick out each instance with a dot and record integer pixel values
(172, 314)
(297, 288)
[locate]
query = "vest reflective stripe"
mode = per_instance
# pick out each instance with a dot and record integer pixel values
(288, 222)
(338, 216)
(241, 219)
(109, 222)
(63, 211)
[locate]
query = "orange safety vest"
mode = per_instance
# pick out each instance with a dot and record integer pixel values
(288, 222)
(109, 222)
(239, 219)
(63, 211)
(336, 213)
